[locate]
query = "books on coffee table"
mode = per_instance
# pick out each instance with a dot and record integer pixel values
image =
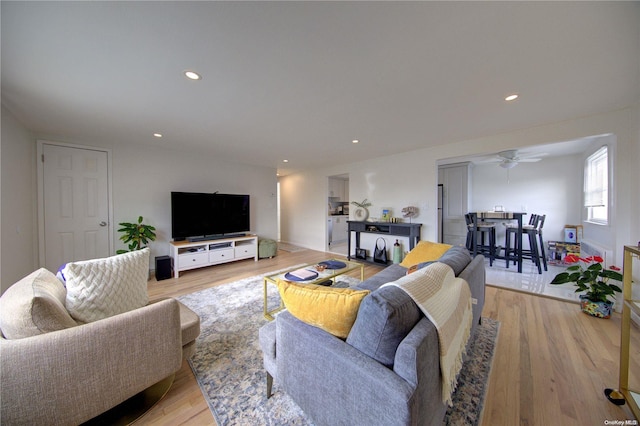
(303, 274)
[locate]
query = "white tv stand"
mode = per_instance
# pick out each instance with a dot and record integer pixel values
(198, 254)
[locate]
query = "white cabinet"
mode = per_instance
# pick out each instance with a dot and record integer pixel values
(339, 229)
(339, 188)
(190, 255)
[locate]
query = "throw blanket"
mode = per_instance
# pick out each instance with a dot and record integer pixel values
(446, 301)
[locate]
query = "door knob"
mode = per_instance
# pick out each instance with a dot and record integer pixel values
(103, 223)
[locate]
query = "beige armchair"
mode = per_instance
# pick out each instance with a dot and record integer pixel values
(54, 370)
(69, 376)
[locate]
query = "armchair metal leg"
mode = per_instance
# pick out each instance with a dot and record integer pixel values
(269, 385)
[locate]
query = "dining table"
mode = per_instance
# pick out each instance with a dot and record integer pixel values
(493, 216)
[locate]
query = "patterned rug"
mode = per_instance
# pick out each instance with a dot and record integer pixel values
(228, 360)
(290, 247)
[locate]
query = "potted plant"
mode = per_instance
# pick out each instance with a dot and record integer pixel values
(591, 277)
(136, 235)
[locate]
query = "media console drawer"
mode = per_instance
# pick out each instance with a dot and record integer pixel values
(221, 255)
(193, 259)
(245, 250)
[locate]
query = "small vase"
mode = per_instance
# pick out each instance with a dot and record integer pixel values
(361, 214)
(596, 309)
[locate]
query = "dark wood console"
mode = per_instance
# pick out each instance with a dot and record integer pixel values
(411, 230)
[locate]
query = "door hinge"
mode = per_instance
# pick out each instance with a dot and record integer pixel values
(42, 158)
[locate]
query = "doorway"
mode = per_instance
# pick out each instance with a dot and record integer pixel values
(74, 208)
(337, 214)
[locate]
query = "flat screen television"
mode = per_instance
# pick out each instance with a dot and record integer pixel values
(196, 215)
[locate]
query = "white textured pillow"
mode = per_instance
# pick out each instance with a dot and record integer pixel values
(100, 288)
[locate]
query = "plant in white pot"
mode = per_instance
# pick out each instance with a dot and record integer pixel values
(592, 278)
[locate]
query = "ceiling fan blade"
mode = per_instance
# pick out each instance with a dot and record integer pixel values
(488, 160)
(532, 155)
(528, 160)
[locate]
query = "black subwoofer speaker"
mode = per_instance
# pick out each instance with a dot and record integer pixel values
(164, 267)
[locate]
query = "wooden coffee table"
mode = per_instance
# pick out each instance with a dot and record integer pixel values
(326, 275)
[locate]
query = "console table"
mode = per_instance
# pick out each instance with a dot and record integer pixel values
(411, 230)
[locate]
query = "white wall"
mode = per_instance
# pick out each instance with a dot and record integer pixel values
(143, 178)
(411, 178)
(551, 187)
(18, 213)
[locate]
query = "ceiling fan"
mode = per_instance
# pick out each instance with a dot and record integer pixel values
(510, 158)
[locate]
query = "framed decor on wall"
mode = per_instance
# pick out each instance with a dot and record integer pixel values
(386, 214)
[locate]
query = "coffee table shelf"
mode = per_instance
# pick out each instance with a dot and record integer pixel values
(327, 274)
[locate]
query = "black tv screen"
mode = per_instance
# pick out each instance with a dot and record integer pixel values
(196, 214)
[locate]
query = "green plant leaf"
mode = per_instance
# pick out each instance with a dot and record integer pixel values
(615, 288)
(561, 278)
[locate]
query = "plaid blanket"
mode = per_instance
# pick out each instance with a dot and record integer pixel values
(446, 301)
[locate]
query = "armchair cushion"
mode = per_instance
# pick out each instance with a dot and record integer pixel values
(101, 288)
(34, 305)
(332, 309)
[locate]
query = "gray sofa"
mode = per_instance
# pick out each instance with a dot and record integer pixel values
(388, 369)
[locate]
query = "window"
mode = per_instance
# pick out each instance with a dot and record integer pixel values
(596, 186)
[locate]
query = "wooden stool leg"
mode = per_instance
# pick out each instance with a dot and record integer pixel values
(533, 247)
(543, 253)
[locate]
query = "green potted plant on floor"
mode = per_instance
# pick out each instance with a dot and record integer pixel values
(136, 235)
(592, 278)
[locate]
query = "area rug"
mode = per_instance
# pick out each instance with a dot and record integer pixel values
(290, 247)
(228, 360)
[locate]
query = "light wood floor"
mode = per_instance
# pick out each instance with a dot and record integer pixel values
(551, 363)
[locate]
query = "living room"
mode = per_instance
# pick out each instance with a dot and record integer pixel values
(391, 165)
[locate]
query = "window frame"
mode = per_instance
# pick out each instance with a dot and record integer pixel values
(597, 186)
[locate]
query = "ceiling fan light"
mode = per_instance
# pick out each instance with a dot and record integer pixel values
(508, 164)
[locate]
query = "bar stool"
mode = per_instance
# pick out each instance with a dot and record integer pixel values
(538, 231)
(535, 252)
(483, 229)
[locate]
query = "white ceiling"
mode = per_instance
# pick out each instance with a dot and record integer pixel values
(301, 80)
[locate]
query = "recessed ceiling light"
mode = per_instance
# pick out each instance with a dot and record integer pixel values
(355, 141)
(192, 75)
(157, 135)
(511, 97)
(285, 161)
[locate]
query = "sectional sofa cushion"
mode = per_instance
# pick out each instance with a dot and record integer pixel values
(424, 251)
(388, 314)
(100, 288)
(457, 257)
(390, 273)
(34, 305)
(331, 309)
(384, 319)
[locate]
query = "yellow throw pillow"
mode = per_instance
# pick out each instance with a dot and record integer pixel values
(333, 310)
(425, 251)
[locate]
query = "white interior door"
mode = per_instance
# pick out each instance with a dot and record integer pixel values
(75, 204)
(455, 202)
